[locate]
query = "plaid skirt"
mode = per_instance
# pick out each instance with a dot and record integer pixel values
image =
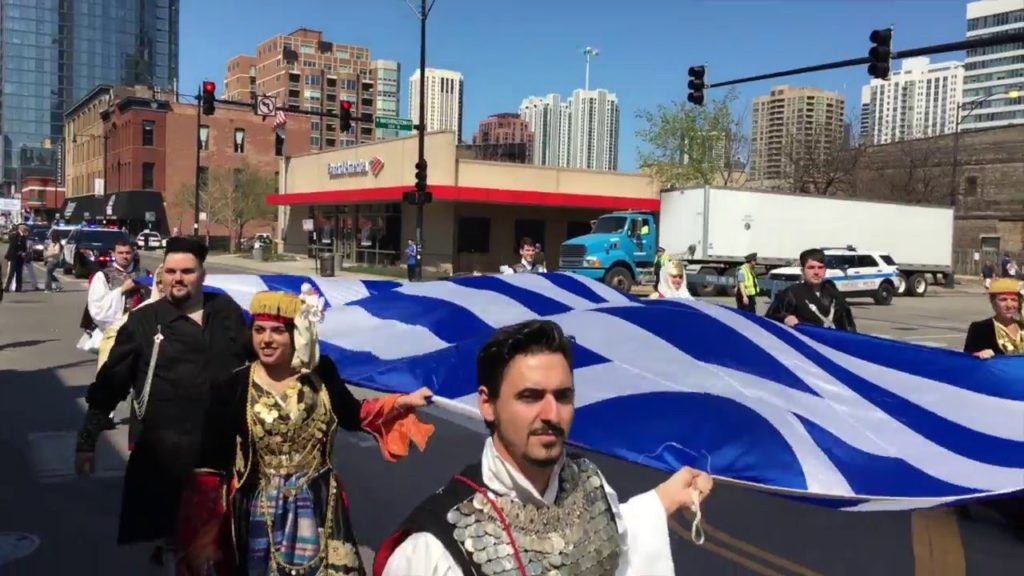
(298, 525)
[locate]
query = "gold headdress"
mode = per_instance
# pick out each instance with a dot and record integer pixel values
(302, 312)
(676, 268)
(1004, 286)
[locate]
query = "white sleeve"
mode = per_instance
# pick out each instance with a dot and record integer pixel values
(421, 554)
(105, 305)
(643, 535)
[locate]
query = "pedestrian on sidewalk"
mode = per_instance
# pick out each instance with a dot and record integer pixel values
(166, 356)
(411, 259)
(988, 271)
(17, 250)
(51, 257)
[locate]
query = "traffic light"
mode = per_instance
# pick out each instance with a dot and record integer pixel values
(208, 97)
(421, 176)
(880, 53)
(345, 116)
(696, 85)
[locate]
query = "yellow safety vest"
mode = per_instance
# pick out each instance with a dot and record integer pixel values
(749, 280)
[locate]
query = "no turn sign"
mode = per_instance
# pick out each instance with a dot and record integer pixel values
(266, 106)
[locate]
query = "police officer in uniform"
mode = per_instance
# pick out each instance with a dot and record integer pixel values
(746, 285)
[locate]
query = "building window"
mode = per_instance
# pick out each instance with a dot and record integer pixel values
(314, 140)
(239, 140)
(148, 130)
(204, 177)
(474, 235)
(278, 145)
(204, 137)
(148, 172)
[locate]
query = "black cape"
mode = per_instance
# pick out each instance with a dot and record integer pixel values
(166, 443)
(794, 300)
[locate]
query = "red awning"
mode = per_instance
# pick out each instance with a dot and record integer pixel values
(468, 194)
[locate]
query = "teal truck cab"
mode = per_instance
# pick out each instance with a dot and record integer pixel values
(619, 251)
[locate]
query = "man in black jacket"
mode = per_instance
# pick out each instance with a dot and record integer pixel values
(190, 340)
(813, 300)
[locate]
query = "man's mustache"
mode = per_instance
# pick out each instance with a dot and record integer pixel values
(553, 429)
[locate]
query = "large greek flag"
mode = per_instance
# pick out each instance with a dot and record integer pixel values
(842, 420)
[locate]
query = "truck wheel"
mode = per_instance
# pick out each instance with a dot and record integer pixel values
(705, 289)
(917, 285)
(620, 279)
(901, 285)
(885, 293)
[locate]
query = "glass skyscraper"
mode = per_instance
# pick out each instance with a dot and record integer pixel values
(55, 51)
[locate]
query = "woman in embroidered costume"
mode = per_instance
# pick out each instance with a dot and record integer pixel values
(1003, 333)
(264, 499)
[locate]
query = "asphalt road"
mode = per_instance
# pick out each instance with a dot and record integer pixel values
(43, 380)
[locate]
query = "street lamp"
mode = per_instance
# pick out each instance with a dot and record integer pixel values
(74, 140)
(971, 106)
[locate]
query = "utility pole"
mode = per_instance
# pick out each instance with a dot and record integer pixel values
(199, 146)
(420, 196)
(422, 158)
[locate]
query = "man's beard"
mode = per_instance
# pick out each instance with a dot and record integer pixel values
(176, 299)
(546, 461)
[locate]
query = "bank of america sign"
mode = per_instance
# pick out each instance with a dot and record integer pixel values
(355, 167)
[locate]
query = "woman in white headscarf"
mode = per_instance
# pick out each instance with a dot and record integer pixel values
(673, 282)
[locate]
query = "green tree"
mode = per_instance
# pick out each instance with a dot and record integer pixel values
(686, 144)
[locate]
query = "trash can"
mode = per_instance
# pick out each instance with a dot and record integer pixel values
(257, 252)
(326, 264)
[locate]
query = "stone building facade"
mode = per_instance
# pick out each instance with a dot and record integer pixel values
(982, 175)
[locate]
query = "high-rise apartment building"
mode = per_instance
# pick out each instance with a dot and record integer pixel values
(594, 130)
(582, 132)
(55, 52)
(918, 101)
(444, 100)
(991, 73)
(303, 71)
(548, 119)
(387, 75)
(793, 124)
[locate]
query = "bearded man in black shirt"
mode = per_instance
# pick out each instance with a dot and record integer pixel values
(813, 300)
(166, 357)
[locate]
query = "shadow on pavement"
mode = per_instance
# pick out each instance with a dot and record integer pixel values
(24, 344)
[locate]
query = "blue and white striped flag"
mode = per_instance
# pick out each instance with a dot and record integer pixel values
(836, 419)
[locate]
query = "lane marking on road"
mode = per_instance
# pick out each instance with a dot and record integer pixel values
(749, 549)
(938, 547)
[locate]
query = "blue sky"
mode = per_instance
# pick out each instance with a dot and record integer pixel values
(510, 49)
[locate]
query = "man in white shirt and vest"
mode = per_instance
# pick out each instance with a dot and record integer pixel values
(527, 507)
(113, 291)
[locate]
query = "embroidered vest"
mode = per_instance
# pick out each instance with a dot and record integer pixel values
(116, 277)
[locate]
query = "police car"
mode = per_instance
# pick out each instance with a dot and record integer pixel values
(90, 248)
(855, 273)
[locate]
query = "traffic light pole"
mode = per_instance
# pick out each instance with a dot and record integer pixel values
(925, 51)
(199, 145)
(422, 136)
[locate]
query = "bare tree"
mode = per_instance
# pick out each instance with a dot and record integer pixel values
(231, 198)
(818, 161)
(913, 171)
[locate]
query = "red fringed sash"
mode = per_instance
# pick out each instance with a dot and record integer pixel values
(204, 526)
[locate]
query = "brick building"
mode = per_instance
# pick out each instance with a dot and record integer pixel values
(501, 137)
(303, 71)
(988, 190)
(147, 143)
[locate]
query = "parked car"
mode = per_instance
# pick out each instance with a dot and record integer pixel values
(149, 240)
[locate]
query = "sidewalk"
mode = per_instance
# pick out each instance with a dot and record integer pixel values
(300, 267)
